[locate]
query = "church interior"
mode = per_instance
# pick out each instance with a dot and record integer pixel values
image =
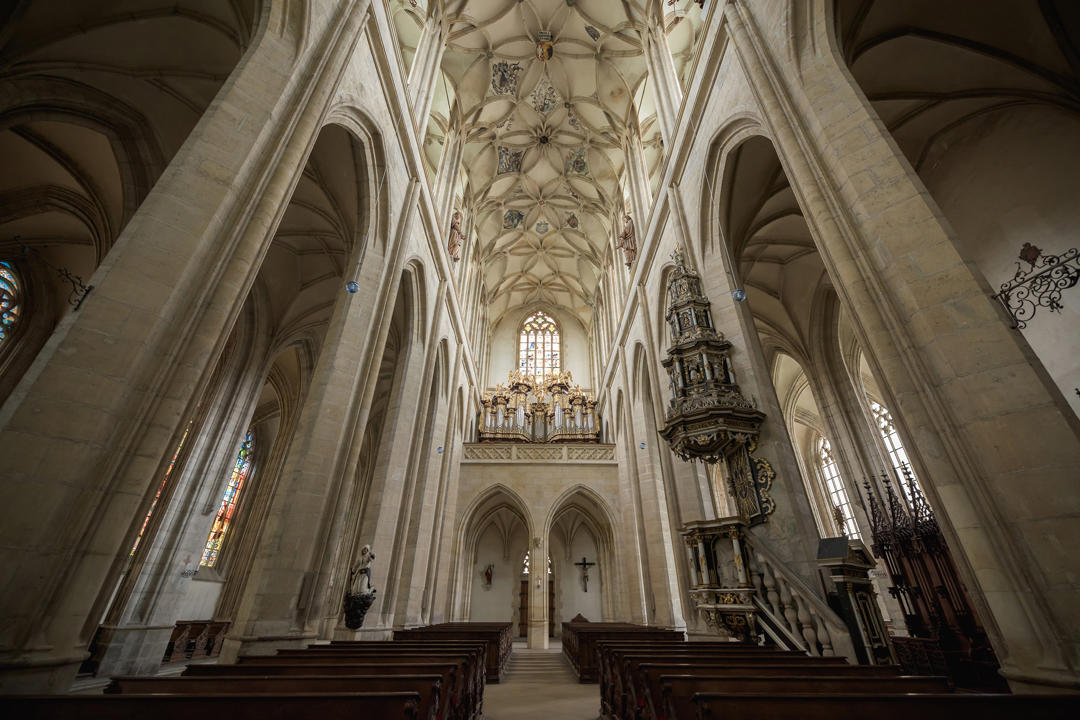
(540, 358)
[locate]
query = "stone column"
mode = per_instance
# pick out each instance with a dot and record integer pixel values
(649, 479)
(418, 510)
(663, 78)
(538, 591)
(89, 423)
(292, 578)
(994, 443)
(638, 178)
(443, 195)
(425, 70)
(440, 564)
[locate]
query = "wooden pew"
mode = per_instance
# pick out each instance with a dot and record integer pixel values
(714, 706)
(453, 686)
(306, 706)
(608, 651)
(676, 692)
(620, 702)
(428, 687)
(496, 636)
(471, 656)
(579, 642)
(622, 689)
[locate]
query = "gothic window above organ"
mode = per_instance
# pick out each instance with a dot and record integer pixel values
(10, 300)
(241, 472)
(538, 347)
(838, 497)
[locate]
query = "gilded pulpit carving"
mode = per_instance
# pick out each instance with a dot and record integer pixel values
(708, 417)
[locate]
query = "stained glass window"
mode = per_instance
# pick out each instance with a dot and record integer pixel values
(10, 299)
(893, 445)
(240, 472)
(161, 486)
(838, 496)
(538, 350)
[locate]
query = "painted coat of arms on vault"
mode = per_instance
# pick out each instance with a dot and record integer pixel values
(545, 48)
(576, 162)
(504, 77)
(512, 219)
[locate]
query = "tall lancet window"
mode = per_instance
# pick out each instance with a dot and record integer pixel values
(893, 445)
(240, 473)
(161, 486)
(538, 349)
(10, 300)
(835, 485)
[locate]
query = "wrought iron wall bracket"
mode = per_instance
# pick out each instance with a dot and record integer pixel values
(1040, 285)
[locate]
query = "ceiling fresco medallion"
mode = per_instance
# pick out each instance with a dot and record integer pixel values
(544, 98)
(504, 77)
(509, 160)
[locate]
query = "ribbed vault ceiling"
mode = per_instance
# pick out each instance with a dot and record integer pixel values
(544, 168)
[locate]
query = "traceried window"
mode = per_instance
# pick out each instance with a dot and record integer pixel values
(525, 564)
(10, 300)
(893, 445)
(161, 487)
(838, 496)
(240, 473)
(538, 349)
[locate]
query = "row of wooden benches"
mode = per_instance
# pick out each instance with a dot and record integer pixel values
(580, 638)
(674, 680)
(424, 673)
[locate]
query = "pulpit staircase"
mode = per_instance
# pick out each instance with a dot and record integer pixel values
(744, 589)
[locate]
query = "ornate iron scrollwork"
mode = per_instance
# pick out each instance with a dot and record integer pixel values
(1040, 285)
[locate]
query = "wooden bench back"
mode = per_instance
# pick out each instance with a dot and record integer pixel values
(330, 706)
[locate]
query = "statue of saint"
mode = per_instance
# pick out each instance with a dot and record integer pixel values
(360, 595)
(457, 238)
(628, 241)
(488, 572)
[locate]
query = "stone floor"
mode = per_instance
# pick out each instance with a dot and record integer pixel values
(540, 684)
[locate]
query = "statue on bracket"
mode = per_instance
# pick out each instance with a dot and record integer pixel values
(457, 238)
(361, 595)
(628, 240)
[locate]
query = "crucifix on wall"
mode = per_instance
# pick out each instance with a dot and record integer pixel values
(584, 565)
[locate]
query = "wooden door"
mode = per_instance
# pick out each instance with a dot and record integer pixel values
(523, 613)
(551, 608)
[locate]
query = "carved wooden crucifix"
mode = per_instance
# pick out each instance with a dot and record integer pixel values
(584, 565)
